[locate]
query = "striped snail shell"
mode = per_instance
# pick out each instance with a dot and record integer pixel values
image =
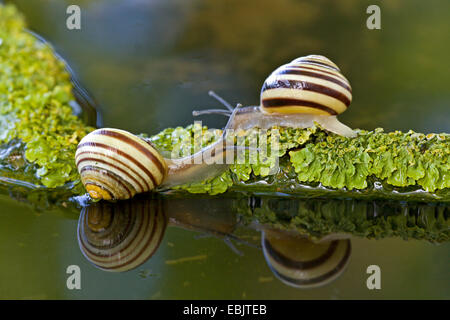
(301, 263)
(310, 85)
(307, 91)
(115, 164)
(121, 236)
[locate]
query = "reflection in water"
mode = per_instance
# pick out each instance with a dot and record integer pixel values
(302, 263)
(305, 242)
(121, 236)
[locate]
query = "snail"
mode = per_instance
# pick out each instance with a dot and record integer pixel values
(120, 237)
(301, 263)
(115, 164)
(307, 90)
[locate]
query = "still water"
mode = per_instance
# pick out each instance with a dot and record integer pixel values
(150, 63)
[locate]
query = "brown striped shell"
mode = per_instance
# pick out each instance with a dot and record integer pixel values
(311, 85)
(121, 236)
(115, 164)
(301, 263)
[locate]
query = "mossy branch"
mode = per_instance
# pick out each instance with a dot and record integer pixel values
(312, 163)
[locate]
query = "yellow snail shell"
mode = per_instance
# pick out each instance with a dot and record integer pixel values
(115, 164)
(301, 263)
(311, 84)
(121, 236)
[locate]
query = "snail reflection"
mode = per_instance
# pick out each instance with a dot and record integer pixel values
(121, 236)
(301, 263)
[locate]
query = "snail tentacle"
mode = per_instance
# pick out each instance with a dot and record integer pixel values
(224, 112)
(221, 100)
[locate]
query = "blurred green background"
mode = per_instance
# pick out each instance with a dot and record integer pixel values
(149, 63)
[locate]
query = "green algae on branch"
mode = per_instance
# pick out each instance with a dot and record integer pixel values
(35, 97)
(398, 165)
(399, 159)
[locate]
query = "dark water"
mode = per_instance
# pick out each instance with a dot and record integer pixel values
(150, 63)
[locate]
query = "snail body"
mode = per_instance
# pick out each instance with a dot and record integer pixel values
(307, 90)
(116, 165)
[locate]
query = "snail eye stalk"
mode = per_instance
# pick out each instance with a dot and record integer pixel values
(211, 111)
(221, 100)
(225, 112)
